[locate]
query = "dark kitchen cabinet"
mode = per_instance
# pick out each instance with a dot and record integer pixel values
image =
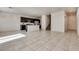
(23, 27)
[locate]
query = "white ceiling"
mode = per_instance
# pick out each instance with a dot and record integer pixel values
(34, 11)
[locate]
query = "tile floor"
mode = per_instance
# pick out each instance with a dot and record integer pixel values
(42, 41)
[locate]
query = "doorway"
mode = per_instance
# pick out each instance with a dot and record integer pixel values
(71, 21)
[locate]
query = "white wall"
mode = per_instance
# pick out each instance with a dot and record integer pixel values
(9, 22)
(44, 22)
(58, 21)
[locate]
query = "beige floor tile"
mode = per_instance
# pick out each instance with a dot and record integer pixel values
(42, 41)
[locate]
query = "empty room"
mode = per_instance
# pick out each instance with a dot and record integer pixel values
(39, 29)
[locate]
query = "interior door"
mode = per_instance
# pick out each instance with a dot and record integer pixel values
(72, 22)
